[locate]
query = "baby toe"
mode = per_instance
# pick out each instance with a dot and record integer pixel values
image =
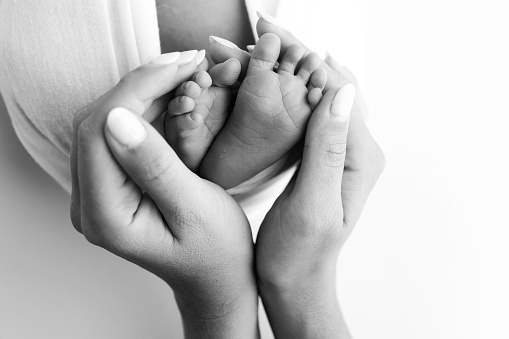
(265, 54)
(203, 79)
(190, 89)
(225, 74)
(318, 79)
(311, 63)
(314, 97)
(291, 59)
(180, 105)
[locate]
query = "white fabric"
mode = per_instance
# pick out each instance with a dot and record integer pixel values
(58, 56)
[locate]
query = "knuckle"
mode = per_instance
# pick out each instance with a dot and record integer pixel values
(91, 231)
(127, 79)
(334, 153)
(158, 168)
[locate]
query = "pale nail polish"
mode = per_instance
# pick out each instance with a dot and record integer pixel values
(223, 42)
(165, 59)
(343, 102)
(200, 56)
(270, 19)
(250, 48)
(125, 127)
(186, 57)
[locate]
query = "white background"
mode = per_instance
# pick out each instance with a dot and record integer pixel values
(429, 258)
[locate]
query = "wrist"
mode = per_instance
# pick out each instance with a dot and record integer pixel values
(296, 275)
(232, 315)
(306, 308)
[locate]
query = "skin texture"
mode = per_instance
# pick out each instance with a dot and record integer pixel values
(303, 300)
(300, 238)
(364, 159)
(199, 110)
(139, 202)
(269, 117)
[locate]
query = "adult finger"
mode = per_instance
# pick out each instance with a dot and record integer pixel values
(365, 159)
(347, 76)
(323, 160)
(154, 166)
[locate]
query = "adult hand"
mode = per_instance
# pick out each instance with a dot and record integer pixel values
(300, 238)
(135, 198)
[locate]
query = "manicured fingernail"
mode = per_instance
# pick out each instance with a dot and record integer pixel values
(125, 127)
(165, 59)
(186, 57)
(270, 19)
(200, 56)
(343, 102)
(223, 42)
(250, 48)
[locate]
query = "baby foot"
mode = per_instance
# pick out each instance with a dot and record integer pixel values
(199, 111)
(270, 114)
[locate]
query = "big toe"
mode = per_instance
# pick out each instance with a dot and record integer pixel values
(226, 74)
(265, 54)
(267, 24)
(222, 50)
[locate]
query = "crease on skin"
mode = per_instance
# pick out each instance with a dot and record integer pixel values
(283, 96)
(259, 136)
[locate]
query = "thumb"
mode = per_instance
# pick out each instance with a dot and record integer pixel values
(151, 163)
(323, 160)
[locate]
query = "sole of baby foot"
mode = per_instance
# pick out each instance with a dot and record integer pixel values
(199, 110)
(270, 114)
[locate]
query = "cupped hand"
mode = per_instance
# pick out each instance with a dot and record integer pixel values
(303, 231)
(135, 198)
(300, 239)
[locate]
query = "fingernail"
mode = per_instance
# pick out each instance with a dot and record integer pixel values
(125, 127)
(250, 48)
(165, 59)
(343, 102)
(224, 42)
(186, 57)
(200, 56)
(270, 19)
